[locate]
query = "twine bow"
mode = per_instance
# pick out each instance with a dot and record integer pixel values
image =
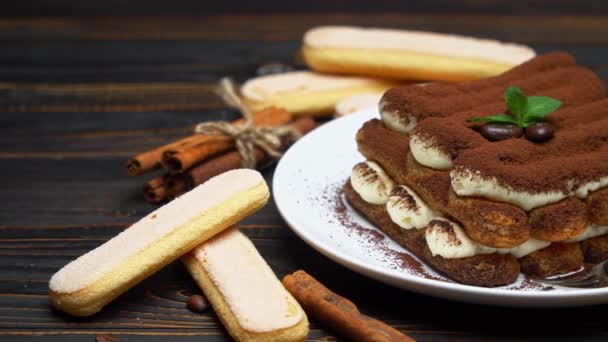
(247, 136)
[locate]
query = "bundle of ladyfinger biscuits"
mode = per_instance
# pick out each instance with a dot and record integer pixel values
(199, 229)
(489, 178)
(250, 301)
(352, 66)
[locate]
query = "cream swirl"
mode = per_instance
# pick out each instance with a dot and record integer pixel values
(371, 182)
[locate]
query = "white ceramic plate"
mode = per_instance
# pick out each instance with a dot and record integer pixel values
(307, 185)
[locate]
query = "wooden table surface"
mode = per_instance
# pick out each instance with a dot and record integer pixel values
(79, 96)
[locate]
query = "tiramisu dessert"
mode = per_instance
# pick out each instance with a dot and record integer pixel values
(490, 178)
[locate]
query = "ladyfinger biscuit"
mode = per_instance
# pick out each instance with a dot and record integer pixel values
(87, 284)
(250, 301)
(305, 92)
(357, 102)
(597, 202)
(406, 54)
(595, 249)
(564, 220)
(556, 259)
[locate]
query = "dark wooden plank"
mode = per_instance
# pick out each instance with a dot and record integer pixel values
(236, 57)
(128, 73)
(563, 29)
(160, 95)
(164, 7)
(64, 189)
(87, 135)
(72, 191)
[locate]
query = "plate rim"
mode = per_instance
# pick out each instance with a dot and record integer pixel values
(409, 281)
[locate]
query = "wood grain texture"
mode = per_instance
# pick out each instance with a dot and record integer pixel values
(78, 96)
(118, 7)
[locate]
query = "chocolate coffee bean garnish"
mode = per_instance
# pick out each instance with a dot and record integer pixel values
(197, 303)
(523, 112)
(273, 68)
(497, 132)
(539, 132)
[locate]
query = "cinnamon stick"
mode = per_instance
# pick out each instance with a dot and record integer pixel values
(182, 158)
(338, 312)
(152, 159)
(155, 190)
(179, 183)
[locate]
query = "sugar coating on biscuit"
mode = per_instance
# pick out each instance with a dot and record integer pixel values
(255, 296)
(357, 102)
(273, 86)
(85, 270)
(417, 41)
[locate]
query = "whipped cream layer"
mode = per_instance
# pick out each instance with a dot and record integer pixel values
(396, 120)
(447, 239)
(407, 210)
(418, 42)
(472, 183)
(426, 153)
(444, 237)
(371, 182)
(583, 190)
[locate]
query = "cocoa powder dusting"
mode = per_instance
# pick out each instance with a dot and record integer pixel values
(374, 240)
(333, 197)
(528, 285)
(366, 172)
(444, 99)
(581, 125)
(446, 228)
(406, 200)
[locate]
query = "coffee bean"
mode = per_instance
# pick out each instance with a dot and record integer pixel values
(497, 132)
(539, 132)
(197, 303)
(273, 68)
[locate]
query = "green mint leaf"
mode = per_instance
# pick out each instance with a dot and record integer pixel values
(500, 118)
(517, 102)
(539, 107)
(524, 110)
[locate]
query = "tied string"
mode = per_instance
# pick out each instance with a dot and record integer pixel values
(247, 136)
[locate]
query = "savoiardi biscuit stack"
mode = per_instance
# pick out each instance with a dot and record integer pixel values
(245, 293)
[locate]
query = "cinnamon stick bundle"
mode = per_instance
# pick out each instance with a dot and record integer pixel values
(152, 159)
(338, 312)
(181, 158)
(180, 183)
